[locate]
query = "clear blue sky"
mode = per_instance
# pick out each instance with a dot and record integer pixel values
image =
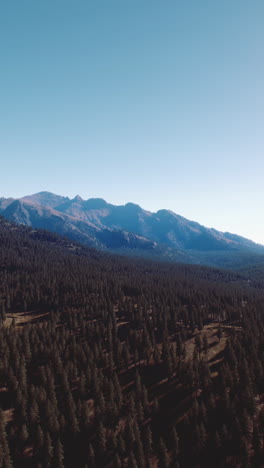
(156, 102)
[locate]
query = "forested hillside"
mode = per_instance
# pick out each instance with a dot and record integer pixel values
(115, 362)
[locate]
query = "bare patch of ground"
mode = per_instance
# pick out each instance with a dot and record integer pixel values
(22, 318)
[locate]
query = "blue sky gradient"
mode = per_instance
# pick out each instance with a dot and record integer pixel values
(156, 102)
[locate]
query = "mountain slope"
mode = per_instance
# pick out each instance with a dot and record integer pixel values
(78, 229)
(164, 226)
(129, 227)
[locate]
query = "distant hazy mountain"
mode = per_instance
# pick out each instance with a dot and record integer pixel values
(103, 225)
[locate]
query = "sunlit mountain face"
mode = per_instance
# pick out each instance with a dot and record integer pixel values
(130, 229)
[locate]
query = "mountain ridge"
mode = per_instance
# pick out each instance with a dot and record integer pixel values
(97, 223)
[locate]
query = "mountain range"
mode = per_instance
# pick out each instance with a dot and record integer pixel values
(130, 229)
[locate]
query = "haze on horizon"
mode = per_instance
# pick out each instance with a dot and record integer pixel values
(157, 104)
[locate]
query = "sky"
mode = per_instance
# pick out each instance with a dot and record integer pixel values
(156, 102)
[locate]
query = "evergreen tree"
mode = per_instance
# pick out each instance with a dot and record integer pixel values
(5, 459)
(47, 450)
(163, 455)
(91, 456)
(58, 455)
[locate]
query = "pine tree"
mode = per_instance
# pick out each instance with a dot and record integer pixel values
(3, 312)
(117, 461)
(219, 332)
(198, 343)
(256, 444)
(23, 436)
(217, 441)
(163, 456)
(139, 452)
(132, 460)
(155, 406)
(47, 450)
(101, 438)
(129, 433)
(148, 441)
(245, 454)
(5, 459)
(121, 446)
(175, 443)
(58, 455)
(38, 438)
(91, 456)
(205, 344)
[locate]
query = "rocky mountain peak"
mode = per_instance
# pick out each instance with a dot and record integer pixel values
(77, 198)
